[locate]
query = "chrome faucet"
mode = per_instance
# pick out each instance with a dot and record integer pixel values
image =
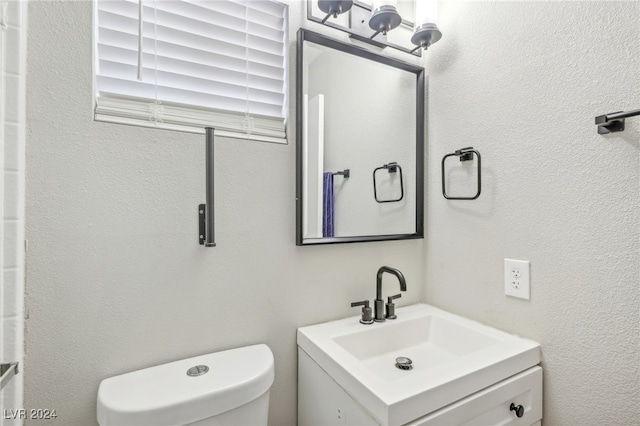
(378, 304)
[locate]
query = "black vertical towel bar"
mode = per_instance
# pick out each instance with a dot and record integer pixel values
(206, 212)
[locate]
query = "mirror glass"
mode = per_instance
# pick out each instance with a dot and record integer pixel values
(360, 137)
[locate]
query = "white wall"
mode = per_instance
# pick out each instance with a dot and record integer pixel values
(522, 83)
(116, 280)
(13, 26)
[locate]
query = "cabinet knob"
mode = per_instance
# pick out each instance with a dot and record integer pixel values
(519, 409)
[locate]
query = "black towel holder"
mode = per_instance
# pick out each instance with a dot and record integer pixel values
(393, 168)
(346, 173)
(614, 122)
(465, 154)
(206, 212)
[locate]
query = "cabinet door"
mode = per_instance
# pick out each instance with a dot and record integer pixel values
(491, 406)
(322, 402)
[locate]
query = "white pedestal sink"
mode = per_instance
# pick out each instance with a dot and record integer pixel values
(452, 358)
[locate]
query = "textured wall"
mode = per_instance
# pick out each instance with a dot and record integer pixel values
(522, 82)
(115, 278)
(116, 281)
(13, 60)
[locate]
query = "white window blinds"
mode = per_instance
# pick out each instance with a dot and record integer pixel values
(204, 63)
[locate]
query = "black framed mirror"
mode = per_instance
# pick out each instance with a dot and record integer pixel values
(359, 144)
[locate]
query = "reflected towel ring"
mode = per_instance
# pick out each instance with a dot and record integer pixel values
(393, 168)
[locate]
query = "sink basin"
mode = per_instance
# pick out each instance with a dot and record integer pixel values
(428, 341)
(452, 357)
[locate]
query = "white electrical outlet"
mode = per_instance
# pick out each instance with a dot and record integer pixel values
(517, 278)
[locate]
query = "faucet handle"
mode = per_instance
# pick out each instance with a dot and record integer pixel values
(367, 315)
(391, 308)
(390, 298)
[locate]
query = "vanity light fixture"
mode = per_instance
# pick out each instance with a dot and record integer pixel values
(370, 20)
(425, 31)
(334, 7)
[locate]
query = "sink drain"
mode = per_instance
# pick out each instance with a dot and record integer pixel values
(403, 363)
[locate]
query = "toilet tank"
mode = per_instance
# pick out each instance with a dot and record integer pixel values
(226, 385)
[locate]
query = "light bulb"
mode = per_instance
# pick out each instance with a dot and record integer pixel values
(379, 3)
(426, 12)
(426, 30)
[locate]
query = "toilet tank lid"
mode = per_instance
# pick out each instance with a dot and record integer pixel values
(166, 395)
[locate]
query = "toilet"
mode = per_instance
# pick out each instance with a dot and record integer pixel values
(228, 388)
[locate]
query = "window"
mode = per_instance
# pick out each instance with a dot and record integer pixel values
(190, 64)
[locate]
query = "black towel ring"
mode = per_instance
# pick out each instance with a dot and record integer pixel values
(393, 168)
(465, 154)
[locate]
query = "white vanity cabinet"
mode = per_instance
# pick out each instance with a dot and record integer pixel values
(425, 367)
(321, 401)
